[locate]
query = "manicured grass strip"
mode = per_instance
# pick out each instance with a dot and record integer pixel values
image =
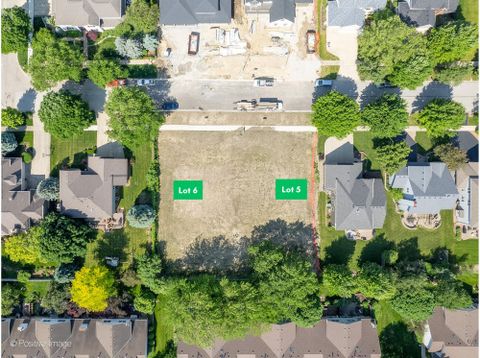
(468, 9)
(424, 142)
(163, 332)
(329, 72)
(71, 152)
(396, 338)
(322, 32)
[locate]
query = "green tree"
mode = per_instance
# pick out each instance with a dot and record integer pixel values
(387, 117)
(390, 50)
(144, 301)
(153, 176)
(56, 298)
(440, 116)
(149, 268)
(9, 142)
(375, 282)
(452, 156)
(102, 71)
(335, 114)
(203, 308)
(65, 273)
(91, 288)
(389, 257)
(453, 73)
(288, 287)
(339, 281)
(452, 41)
(133, 117)
(48, 189)
(451, 294)
(25, 248)
(143, 16)
(64, 114)
(53, 60)
(413, 300)
(15, 29)
(141, 216)
(11, 296)
(12, 117)
(392, 156)
(23, 276)
(63, 239)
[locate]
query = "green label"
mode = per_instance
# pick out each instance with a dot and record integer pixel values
(187, 190)
(291, 189)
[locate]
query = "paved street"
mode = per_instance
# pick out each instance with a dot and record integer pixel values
(220, 95)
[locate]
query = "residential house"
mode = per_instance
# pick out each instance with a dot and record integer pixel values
(92, 194)
(331, 337)
(194, 12)
(351, 14)
(466, 212)
(427, 188)
(20, 206)
(452, 333)
(280, 12)
(423, 13)
(94, 15)
(61, 337)
(358, 203)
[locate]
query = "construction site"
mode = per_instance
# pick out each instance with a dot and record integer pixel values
(239, 169)
(250, 46)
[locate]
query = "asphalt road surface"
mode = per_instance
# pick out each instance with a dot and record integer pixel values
(297, 96)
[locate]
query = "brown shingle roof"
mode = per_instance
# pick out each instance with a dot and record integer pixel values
(90, 194)
(331, 337)
(57, 338)
(20, 206)
(454, 332)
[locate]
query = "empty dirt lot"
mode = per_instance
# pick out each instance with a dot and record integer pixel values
(238, 169)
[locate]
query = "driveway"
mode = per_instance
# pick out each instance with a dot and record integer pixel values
(17, 91)
(343, 44)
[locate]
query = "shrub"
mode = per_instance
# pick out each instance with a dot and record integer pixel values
(49, 189)
(130, 48)
(141, 216)
(9, 142)
(64, 273)
(150, 42)
(153, 177)
(12, 117)
(145, 301)
(27, 157)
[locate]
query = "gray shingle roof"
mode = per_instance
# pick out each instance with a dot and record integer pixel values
(331, 337)
(351, 12)
(56, 338)
(88, 12)
(423, 12)
(430, 185)
(282, 9)
(192, 12)
(90, 194)
(358, 203)
(20, 206)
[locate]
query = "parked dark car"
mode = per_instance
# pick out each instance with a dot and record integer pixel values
(170, 106)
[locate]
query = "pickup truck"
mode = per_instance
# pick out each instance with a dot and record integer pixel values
(311, 41)
(193, 43)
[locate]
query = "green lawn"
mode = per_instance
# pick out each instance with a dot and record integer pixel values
(71, 152)
(424, 142)
(163, 331)
(24, 140)
(329, 72)
(396, 338)
(36, 290)
(321, 143)
(468, 10)
(363, 142)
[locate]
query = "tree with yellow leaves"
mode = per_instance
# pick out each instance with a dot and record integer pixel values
(91, 288)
